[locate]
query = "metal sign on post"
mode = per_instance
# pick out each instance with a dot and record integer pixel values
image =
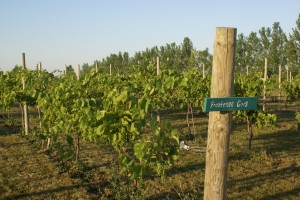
(230, 104)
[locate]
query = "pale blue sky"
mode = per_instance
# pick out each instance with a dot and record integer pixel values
(72, 32)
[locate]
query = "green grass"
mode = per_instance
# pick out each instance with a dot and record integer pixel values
(270, 170)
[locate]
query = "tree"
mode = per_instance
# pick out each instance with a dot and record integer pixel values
(293, 48)
(276, 55)
(186, 52)
(204, 57)
(85, 69)
(170, 56)
(265, 40)
(241, 62)
(253, 49)
(70, 70)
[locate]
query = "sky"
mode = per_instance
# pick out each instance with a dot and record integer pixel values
(71, 32)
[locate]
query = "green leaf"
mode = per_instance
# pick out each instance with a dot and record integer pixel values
(174, 135)
(139, 150)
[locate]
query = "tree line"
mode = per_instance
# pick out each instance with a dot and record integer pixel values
(251, 50)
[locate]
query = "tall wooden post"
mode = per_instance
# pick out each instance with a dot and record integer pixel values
(219, 125)
(66, 70)
(279, 82)
(96, 67)
(26, 114)
(203, 70)
(109, 69)
(157, 66)
(157, 73)
(287, 73)
(265, 89)
(290, 76)
(78, 71)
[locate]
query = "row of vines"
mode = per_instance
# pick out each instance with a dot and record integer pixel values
(121, 110)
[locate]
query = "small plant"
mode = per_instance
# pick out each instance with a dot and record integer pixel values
(124, 187)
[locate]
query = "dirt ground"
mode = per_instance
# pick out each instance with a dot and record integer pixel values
(270, 170)
(27, 173)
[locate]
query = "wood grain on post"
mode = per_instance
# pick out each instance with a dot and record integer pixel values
(219, 125)
(26, 114)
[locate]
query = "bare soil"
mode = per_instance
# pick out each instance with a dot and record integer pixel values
(270, 170)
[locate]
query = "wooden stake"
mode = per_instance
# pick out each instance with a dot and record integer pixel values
(279, 81)
(247, 67)
(219, 125)
(265, 89)
(38, 107)
(26, 114)
(157, 73)
(290, 76)
(203, 70)
(78, 72)
(96, 67)
(157, 66)
(287, 73)
(110, 69)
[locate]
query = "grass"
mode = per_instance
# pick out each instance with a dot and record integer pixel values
(270, 170)
(26, 173)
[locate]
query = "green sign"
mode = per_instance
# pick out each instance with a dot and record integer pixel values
(230, 104)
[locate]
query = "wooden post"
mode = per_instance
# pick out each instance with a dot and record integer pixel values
(26, 114)
(287, 73)
(157, 73)
(279, 81)
(157, 66)
(78, 72)
(109, 69)
(219, 125)
(290, 76)
(247, 68)
(38, 107)
(96, 67)
(66, 71)
(203, 70)
(265, 89)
